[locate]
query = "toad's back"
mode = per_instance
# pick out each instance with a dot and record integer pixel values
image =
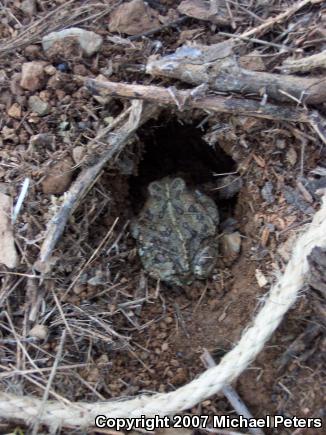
(173, 228)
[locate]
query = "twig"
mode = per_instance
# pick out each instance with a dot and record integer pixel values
(318, 123)
(184, 99)
(262, 28)
(20, 199)
(305, 64)
(49, 383)
(257, 41)
(116, 141)
(232, 396)
(217, 66)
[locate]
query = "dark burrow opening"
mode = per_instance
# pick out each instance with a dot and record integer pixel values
(175, 148)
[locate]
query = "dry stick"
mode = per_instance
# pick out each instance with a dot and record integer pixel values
(49, 383)
(232, 396)
(217, 67)
(280, 17)
(305, 64)
(187, 99)
(116, 141)
(282, 296)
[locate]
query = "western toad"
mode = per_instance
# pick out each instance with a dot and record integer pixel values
(176, 232)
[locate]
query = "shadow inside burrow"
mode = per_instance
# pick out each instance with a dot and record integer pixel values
(177, 149)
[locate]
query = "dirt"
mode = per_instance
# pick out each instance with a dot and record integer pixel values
(129, 334)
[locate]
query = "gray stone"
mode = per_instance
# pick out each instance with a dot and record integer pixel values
(231, 244)
(38, 106)
(267, 192)
(32, 77)
(28, 7)
(89, 41)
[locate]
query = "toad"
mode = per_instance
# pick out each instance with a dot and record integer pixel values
(176, 232)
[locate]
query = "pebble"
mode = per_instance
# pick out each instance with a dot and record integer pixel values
(15, 87)
(59, 178)
(39, 331)
(45, 140)
(50, 70)
(15, 111)
(267, 192)
(89, 42)
(292, 156)
(229, 186)
(39, 106)
(231, 244)
(294, 198)
(28, 7)
(200, 10)
(32, 77)
(78, 153)
(133, 18)
(32, 51)
(8, 133)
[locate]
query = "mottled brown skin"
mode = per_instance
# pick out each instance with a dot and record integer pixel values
(176, 232)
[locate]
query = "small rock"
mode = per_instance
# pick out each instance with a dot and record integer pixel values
(294, 198)
(133, 18)
(261, 279)
(292, 156)
(45, 140)
(39, 331)
(267, 192)
(15, 87)
(231, 244)
(38, 106)
(28, 7)
(8, 133)
(32, 75)
(8, 253)
(314, 185)
(50, 70)
(59, 178)
(200, 10)
(15, 111)
(78, 154)
(229, 186)
(280, 143)
(32, 51)
(89, 42)
(80, 70)
(79, 288)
